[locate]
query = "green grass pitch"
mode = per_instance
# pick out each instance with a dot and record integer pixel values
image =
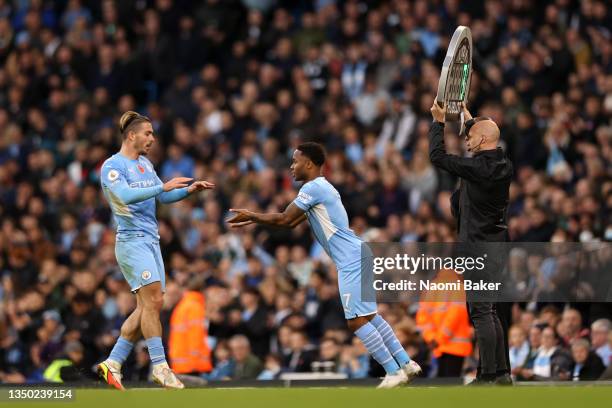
(417, 397)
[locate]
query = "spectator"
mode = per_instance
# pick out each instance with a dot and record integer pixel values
(302, 353)
(587, 364)
(397, 128)
(224, 365)
(535, 341)
(601, 333)
(519, 347)
(83, 324)
(253, 322)
(272, 368)
(178, 163)
(355, 360)
(551, 361)
(571, 326)
(329, 355)
(141, 369)
(52, 331)
(371, 104)
(246, 365)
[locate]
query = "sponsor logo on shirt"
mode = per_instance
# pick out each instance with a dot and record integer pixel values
(143, 183)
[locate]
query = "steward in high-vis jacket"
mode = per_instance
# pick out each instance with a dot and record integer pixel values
(68, 367)
(444, 323)
(188, 341)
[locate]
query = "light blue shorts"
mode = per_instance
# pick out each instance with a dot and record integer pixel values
(140, 260)
(349, 285)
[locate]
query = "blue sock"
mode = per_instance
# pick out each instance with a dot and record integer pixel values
(391, 341)
(121, 350)
(376, 347)
(156, 350)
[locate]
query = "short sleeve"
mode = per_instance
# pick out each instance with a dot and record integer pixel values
(308, 196)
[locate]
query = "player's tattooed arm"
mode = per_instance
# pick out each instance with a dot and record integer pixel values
(290, 218)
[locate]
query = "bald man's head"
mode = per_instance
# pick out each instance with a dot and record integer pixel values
(483, 135)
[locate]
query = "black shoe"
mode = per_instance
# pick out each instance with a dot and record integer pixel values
(504, 380)
(479, 382)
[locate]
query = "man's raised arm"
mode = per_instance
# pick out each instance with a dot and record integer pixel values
(460, 166)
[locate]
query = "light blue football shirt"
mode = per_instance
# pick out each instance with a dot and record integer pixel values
(329, 222)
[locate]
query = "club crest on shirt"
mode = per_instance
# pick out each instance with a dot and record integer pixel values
(113, 175)
(140, 169)
(146, 275)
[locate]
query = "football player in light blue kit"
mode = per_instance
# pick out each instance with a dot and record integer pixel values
(131, 186)
(319, 202)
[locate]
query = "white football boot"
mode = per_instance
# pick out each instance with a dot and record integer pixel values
(412, 369)
(394, 380)
(163, 375)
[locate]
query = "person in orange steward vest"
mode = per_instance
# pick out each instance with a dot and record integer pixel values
(187, 345)
(443, 320)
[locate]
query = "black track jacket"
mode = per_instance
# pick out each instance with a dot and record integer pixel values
(481, 202)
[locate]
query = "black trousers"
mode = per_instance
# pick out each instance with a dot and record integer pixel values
(450, 365)
(504, 313)
(490, 338)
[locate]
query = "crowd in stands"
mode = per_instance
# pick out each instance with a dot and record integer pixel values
(231, 88)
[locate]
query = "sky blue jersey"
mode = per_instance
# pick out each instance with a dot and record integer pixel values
(131, 188)
(329, 222)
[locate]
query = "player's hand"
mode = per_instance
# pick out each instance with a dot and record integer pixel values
(177, 182)
(437, 112)
(466, 113)
(241, 218)
(200, 185)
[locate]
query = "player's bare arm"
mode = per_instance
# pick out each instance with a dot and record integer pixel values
(290, 218)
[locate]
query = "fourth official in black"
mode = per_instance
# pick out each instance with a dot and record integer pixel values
(480, 206)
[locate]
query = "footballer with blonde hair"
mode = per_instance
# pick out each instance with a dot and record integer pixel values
(132, 188)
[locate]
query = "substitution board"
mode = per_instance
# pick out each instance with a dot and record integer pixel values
(454, 84)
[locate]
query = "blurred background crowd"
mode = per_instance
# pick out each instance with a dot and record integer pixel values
(231, 88)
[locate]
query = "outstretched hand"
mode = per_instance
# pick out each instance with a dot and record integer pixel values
(241, 218)
(177, 182)
(200, 185)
